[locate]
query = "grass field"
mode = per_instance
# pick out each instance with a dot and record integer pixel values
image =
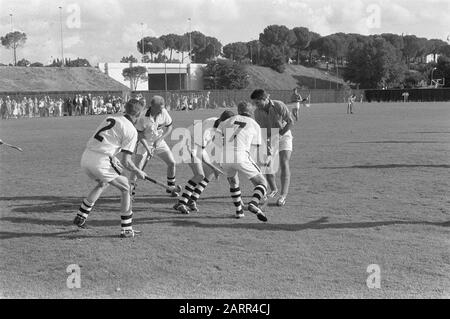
(367, 188)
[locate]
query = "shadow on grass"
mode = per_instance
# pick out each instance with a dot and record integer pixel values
(390, 166)
(317, 224)
(399, 142)
(186, 221)
(426, 132)
(63, 204)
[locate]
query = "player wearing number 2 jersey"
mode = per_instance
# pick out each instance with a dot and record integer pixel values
(114, 135)
(239, 133)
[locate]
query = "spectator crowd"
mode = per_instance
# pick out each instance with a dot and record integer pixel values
(14, 108)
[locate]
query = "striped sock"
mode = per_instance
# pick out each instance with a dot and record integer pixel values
(199, 189)
(237, 201)
(188, 190)
(258, 194)
(127, 221)
(170, 182)
(85, 209)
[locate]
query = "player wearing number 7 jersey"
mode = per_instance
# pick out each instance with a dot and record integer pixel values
(113, 136)
(239, 133)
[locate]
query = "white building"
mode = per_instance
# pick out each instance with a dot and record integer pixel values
(161, 76)
(431, 58)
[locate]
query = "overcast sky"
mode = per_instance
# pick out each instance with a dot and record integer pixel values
(106, 30)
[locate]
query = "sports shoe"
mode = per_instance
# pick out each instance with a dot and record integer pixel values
(240, 214)
(281, 200)
(257, 211)
(181, 208)
(273, 193)
(192, 205)
(244, 207)
(80, 222)
(129, 233)
(176, 192)
(177, 205)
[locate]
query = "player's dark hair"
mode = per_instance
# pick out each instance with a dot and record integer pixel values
(223, 117)
(258, 94)
(133, 107)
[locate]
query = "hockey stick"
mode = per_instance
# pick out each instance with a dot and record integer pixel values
(12, 146)
(172, 189)
(214, 168)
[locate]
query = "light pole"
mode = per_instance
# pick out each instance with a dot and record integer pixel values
(190, 56)
(432, 71)
(62, 45)
(142, 40)
(190, 41)
(165, 74)
(12, 30)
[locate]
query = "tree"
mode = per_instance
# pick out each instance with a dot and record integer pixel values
(23, 62)
(128, 59)
(436, 46)
(411, 47)
(14, 40)
(374, 64)
(280, 36)
(445, 50)
(225, 75)
(272, 57)
(134, 75)
(169, 42)
(303, 39)
(254, 52)
(78, 62)
(151, 45)
(55, 63)
(396, 41)
(235, 51)
(182, 45)
(312, 47)
(212, 49)
(36, 64)
(198, 44)
(443, 65)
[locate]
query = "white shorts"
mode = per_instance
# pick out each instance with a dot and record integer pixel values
(99, 167)
(282, 143)
(243, 163)
(162, 148)
(279, 143)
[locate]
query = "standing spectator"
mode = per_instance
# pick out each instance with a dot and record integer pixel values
(405, 96)
(85, 105)
(8, 107)
(36, 107)
(15, 109)
(3, 108)
(89, 101)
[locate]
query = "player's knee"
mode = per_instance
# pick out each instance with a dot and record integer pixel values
(232, 181)
(284, 164)
(122, 184)
(259, 180)
(102, 184)
(199, 177)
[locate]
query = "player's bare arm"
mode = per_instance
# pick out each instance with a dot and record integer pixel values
(166, 132)
(143, 141)
(129, 165)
